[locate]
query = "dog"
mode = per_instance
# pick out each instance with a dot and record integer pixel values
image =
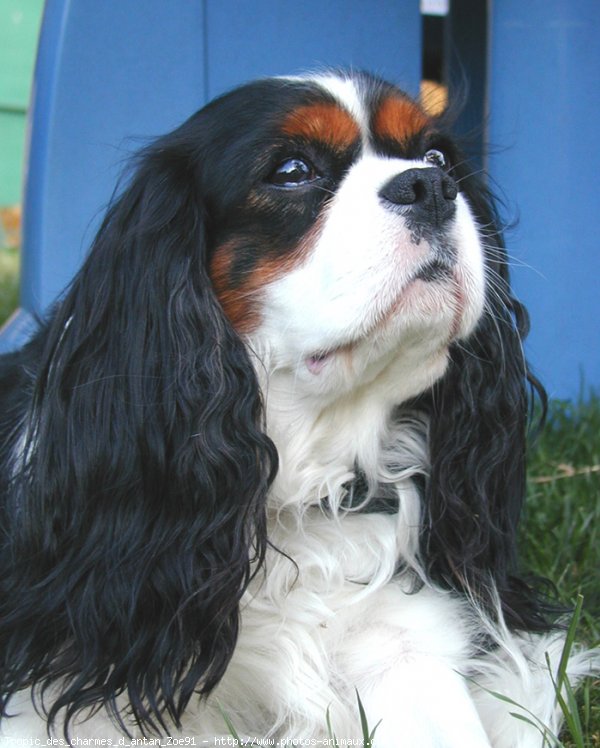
(268, 450)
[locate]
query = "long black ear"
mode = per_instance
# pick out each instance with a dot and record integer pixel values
(479, 416)
(138, 513)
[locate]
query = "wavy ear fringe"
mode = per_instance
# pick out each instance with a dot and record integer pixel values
(479, 418)
(138, 515)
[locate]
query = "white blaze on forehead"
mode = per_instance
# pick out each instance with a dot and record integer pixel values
(347, 93)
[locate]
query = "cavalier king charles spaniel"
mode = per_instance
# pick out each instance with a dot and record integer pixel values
(268, 450)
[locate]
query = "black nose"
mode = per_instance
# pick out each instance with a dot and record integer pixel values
(429, 192)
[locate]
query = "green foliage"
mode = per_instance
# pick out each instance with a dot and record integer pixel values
(561, 532)
(9, 282)
(561, 540)
(367, 734)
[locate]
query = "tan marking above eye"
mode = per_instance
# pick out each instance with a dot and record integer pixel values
(398, 119)
(324, 123)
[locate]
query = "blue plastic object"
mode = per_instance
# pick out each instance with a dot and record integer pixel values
(106, 72)
(544, 114)
(112, 74)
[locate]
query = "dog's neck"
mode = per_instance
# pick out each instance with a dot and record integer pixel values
(344, 450)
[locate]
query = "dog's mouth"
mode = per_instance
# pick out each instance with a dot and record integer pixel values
(434, 271)
(317, 361)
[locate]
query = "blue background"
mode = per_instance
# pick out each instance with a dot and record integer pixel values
(544, 128)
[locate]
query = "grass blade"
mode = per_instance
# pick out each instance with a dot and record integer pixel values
(531, 719)
(367, 737)
(230, 726)
(565, 696)
(330, 732)
(548, 736)
(569, 642)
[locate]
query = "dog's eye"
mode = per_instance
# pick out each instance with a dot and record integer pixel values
(435, 158)
(293, 172)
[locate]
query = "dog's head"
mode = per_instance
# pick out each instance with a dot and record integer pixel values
(323, 230)
(340, 236)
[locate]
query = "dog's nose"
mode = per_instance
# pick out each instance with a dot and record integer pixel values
(430, 194)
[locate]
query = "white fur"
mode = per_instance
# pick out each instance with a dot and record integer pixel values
(338, 622)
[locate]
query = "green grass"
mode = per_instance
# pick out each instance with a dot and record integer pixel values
(562, 525)
(9, 283)
(561, 534)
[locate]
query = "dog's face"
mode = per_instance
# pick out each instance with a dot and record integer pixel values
(341, 241)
